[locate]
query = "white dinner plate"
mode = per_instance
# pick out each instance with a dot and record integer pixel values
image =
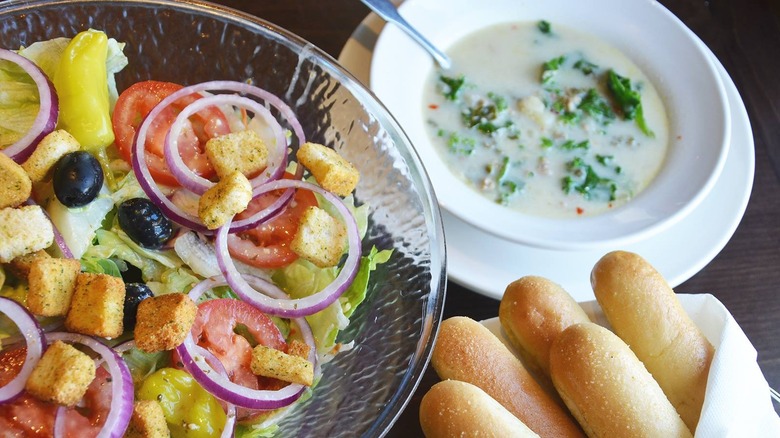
(487, 264)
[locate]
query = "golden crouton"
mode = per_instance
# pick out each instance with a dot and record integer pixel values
(97, 306)
(220, 203)
(164, 321)
(51, 285)
(23, 230)
(331, 170)
(320, 238)
(62, 375)
(15, 185)
(51, 148)
(2, 282)
(148, 421)
(298, 348)
(242, 151)
(270, 362)
(21, 265)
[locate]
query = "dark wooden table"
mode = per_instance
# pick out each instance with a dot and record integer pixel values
(745, 276)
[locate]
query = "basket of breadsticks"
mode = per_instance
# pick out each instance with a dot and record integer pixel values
(640, 361)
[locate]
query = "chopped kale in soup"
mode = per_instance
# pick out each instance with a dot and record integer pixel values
(546, 120)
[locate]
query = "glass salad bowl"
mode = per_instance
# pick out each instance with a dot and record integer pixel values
(190, 42)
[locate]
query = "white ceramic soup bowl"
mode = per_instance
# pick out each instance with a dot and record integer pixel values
(656, 41)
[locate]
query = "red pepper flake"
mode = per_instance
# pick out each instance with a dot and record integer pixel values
(580, 210)
(433, 106)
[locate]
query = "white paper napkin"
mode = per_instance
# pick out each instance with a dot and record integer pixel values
(737, 403)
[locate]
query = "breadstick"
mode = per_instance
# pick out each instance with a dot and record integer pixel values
(608, 389)
(533, 312)
(452, 408)
(467, 351)
(645, 312)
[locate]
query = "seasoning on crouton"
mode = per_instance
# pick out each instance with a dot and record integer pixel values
(21, 265)
(52, 282)
(23, 230)
(220, 203)
(298, 348)
(97, 306)
(270, 362)
(51, 148)
(242, 151)
(320, 238)
(62, 375)
(331, 170)
(148, 421)
(15, 185)
(164, 321)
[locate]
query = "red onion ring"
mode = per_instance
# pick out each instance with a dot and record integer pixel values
(59, 422)
(121, 408)
(188, 220)
(273, 210)
(196, 183)
(306, 333)
(29, 328)
(51, 324)
(218, 367)
(148, 185)
(230, 411)
(301, 306)
(220, 386)
(244, 88)
(171, 210)
(49, 111)
(58, 239)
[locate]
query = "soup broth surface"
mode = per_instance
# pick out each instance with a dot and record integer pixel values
(546, 120)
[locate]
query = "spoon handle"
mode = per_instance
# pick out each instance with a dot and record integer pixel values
(389, 13)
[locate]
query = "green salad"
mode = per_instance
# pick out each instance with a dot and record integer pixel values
(202, 267)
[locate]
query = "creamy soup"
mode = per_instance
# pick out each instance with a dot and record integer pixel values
(546, 120)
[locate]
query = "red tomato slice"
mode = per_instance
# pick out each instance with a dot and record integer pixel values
(137, 101)
(268, 245)
(215, 329)
(29, 417)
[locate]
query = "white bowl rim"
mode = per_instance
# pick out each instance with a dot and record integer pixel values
(657, 41)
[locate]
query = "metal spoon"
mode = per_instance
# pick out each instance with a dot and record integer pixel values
(388, 12)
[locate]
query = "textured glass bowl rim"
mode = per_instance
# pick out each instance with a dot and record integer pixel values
(435, 302)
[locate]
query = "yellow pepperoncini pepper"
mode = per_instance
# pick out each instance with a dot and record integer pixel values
(81, 82)
(189, 410)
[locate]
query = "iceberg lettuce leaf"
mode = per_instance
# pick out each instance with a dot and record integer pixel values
(46, 54)
(142, 364)
(19, 99)
(356, 293)
(302, 278)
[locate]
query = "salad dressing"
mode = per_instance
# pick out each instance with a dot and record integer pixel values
(541, 130)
